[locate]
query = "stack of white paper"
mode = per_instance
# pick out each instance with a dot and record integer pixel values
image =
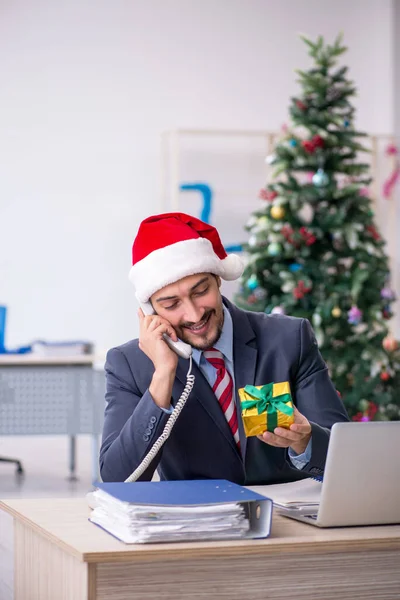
(60, 349)
(302, 494)
(169, 511)
(139, 524)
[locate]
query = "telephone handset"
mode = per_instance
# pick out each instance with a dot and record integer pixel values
(182, 349)
(185, 351)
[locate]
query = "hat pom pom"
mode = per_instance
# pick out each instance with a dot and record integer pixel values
(232, 266)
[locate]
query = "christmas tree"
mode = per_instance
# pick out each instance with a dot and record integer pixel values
(314, 250)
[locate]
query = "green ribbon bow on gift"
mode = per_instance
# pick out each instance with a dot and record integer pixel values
(265, 402)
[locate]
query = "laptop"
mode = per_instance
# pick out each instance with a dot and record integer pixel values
(361, 484)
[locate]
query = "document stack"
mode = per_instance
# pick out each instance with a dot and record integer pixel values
(169, 511)
(303, 494)
(61, 349)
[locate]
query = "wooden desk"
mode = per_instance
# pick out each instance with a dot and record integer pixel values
(60, 555)
(59, 395)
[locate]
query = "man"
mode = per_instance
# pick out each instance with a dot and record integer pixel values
(178, 262)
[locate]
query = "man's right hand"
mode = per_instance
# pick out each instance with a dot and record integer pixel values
(165, 360)
(151, 342)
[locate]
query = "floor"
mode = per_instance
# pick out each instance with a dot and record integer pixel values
(45, 460)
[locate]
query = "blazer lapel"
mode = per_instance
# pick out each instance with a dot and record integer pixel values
(204, 394)
(244, 360)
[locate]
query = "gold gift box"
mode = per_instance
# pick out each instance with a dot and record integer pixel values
(256, 424)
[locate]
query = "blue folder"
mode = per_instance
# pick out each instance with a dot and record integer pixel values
(196, 493)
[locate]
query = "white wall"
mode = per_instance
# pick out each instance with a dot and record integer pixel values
(87, 87)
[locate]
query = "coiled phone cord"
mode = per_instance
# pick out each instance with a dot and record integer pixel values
(167, 429)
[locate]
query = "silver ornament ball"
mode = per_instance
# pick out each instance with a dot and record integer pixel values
(320, 178)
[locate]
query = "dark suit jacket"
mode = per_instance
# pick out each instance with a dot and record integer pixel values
(266, 349)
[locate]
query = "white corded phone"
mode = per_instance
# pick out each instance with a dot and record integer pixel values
(185, 351)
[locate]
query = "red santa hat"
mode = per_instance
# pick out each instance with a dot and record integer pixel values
(171, 246)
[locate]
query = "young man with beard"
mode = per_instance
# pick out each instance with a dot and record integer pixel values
(178, 262)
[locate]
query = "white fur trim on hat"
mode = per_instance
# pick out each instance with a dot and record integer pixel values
(171, 263)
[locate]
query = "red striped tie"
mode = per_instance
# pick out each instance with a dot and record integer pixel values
(223, 388)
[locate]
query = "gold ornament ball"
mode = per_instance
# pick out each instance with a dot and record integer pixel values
(336, 312)
(277, 212)
(390, 344)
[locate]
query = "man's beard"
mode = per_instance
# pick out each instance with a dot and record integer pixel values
(207, 342)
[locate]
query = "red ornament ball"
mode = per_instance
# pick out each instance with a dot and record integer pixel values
(390, 344)
(308, 146)
(318, 141)
(385, 376)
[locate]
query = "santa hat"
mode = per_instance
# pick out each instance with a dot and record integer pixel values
(171, 246)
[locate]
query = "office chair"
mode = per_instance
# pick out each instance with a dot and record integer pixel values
(3, 318)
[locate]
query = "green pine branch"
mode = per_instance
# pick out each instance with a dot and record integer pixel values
(320, 232)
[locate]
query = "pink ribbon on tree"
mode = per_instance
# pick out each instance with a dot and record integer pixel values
(391, 181)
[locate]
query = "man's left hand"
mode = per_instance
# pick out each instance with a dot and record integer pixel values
(296, 437)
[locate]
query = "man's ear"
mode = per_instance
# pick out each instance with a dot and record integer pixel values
(219, 282)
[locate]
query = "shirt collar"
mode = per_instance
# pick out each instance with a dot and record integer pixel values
(225, 342)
